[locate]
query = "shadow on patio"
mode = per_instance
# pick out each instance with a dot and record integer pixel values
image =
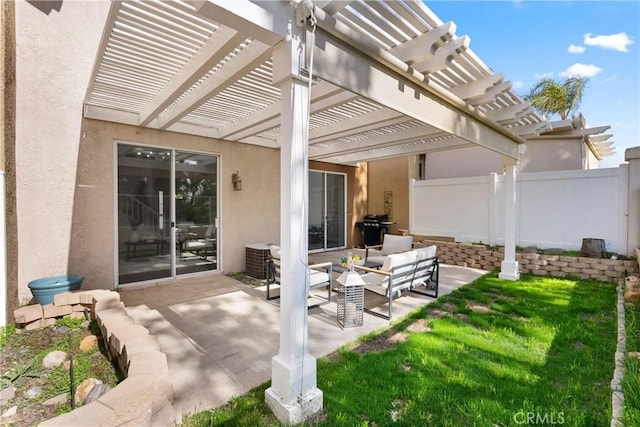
(219, 334)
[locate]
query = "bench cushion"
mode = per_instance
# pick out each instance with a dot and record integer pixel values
(379, 282)
(426, 258)
(391, 244)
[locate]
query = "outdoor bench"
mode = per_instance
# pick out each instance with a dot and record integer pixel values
(406, 271)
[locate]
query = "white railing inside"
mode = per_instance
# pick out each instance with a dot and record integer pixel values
(138, 212)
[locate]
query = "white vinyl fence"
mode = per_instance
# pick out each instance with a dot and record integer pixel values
(554, 209)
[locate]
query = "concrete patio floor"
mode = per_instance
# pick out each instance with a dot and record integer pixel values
(219, 334)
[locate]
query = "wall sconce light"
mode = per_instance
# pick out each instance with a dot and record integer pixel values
(237, 182)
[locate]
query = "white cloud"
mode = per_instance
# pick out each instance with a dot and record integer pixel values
(619, 41)
(544, 75)
(517, 85)
(576, 49)
(581, 70)
(610, 78)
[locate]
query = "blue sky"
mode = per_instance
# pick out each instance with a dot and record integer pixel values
(529, 40)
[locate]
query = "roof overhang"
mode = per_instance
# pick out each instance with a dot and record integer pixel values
(390, 78)
(576, 129)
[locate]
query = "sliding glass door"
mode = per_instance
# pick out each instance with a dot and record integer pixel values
(327, 210)
(196, 212)
(166, 213)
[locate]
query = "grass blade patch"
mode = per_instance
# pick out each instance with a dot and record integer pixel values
(492, 353)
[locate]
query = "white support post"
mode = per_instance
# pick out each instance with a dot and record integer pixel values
(509, 266)
(293, 396)
(493, 196)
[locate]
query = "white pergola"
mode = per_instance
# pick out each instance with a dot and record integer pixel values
(336, 81)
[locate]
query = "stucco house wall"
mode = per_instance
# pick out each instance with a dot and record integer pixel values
(66, 164)
(553, 155)
(463, 162)
(55, 50)
(391, 175)
(540, 156)
(247, 216)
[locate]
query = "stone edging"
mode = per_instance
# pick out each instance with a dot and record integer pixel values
(145, 397)
(617, 394)
(479, 256)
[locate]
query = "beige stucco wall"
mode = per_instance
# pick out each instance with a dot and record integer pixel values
(463, 162)
(391, 175)
(552, 155)
(55, 50)
(247, 216)
(540, 156)
(66, 167)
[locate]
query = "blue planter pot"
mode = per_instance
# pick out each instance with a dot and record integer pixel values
(44, 289)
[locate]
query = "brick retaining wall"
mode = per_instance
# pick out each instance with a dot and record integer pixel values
(146, 396)
(479, 256)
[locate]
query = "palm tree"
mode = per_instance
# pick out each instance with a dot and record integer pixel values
(551, 96)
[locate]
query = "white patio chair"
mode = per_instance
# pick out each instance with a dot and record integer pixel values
(391, 244)
(320, 276)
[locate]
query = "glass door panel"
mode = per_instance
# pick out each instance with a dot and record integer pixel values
(196, 212)
(144, 243)
(335, 208)
(327, 207)
(316, 210)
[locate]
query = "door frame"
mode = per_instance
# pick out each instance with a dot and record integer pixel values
(172, 212)
(344, 204)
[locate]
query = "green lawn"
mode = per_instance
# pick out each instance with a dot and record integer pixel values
(631, 382)
(493, 353)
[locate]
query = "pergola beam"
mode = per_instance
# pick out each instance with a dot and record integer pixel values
(491, 94)
(363, 123)
(477, 87)
(219, 44)
(443, 56)
(269, 117)
(422, 46)
(395, 138)
(264, 21)
(512, 112)
(532, 129)
(246, 60)
(417, 147)
(374, 81)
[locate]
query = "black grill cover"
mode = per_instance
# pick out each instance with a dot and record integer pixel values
(372, 229)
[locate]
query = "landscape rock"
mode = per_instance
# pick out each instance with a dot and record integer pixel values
(89, 343)
(63, 329)
(85, 388)
(10, 412)
(28, 313)
(530, 250)
(96, 392)
(6, 394)
(60, 399)
(54, 358)
(33, 392)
